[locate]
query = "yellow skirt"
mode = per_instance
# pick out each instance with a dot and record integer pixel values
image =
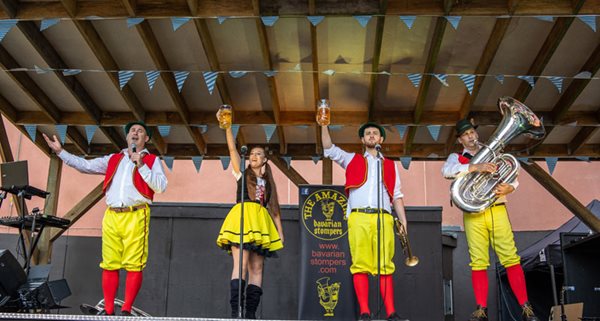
(260, 233)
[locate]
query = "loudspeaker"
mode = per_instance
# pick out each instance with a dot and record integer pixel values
(49, 294)
(12, 275)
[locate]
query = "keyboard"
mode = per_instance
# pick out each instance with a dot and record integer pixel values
(27, 221)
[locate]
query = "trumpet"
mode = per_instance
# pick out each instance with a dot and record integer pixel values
(410, 260)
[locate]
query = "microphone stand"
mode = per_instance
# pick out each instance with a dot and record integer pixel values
(241, 254)
(378, 148)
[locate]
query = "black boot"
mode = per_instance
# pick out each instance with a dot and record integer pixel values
(253, 294)
(235, 294)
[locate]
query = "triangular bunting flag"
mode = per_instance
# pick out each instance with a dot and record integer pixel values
(442, 78)
(545, 18)
(225, 161)
(335, 127)
(329, 72)
(316, 159)
(415, 79)
(234, 130)
(61, 130)
(197, 160)
(164, 130)
(583, 158)
(180, 77)
(301, 126)
(529, 79)
(315, 20)
(237, 74)
(434, 131)
(298, 67)
(210, 77)
(169, 162)
(134, 21)
(432, 155)
(151, 77)
(288, 160)
(269, 21)
(401, 130)
(500, 79)
(408, 20)
(31, 131)
(270, 73)
(572, 124)
(524, 160)
(90, 130)
(177, 22)
(469, 81)
(71, 72)
(363, 20)
(124, 77)
(453, 20)
(203, 128)
(269, 130)
(5, 26)
(405, 162)
(583, 75)
(40, 70)
(589, 20)
(47, 23)
(551, 162)
(221, 19)
(557, 82)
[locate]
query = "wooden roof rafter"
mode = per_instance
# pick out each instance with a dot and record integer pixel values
(315, 76)
(380, 21)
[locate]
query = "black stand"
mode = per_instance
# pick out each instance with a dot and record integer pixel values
(379, 213)
(565, 288)
(241, 250)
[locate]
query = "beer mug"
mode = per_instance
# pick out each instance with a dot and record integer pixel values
(323, 112)
(224, 118)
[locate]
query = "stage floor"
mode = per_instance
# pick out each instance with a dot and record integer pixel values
(60, 317)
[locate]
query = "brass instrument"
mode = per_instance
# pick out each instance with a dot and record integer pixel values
(410, 260)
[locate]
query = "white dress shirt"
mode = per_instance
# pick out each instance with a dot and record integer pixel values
(121, 191)
(366, 195)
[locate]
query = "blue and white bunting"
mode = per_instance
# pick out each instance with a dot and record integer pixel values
(134, 21)
(90, 130)
(31, 131)
(551, 162)
(203, 128)
(500, 79)
(469, 81)
(557, 82)
(434, 131)
(524, 160)
(5, 26)
(169, 162)
(270, 73)
(61, 130)
(442, 78)
(415, 79)
(335, 127)
(409, 21)
(124, 77)
(210, 77)
(164, 130)
(197, 160)
(401, 130)
(433, 155)
(590, 21)
(363, 20)
(222, 19)
(288, 160)
(234, 130)
(583, 75)
(40, 70)
(177, 22)
(583, 158)
(237, 74)
(315, 20)
(180, 78)
(269, 130)
(225, 161)
(47, 23)
(301, 126)
(572, 124)
(151, 77)
(329, 72)
(316, 159)
(529, 79)
(453, 20)
(545, 18)
(405, 161)
(71, 72)
(269, 21)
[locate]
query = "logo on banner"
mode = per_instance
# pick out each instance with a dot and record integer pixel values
(328, 295)
(323, 214)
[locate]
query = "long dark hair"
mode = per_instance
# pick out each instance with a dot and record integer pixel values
(271, 190)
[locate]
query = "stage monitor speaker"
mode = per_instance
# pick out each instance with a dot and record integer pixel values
(12, 275)
(51, 293)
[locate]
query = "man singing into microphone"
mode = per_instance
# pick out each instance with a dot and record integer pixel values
(132, 176)
(364, 204)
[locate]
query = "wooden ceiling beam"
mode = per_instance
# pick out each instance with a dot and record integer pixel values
(315, 76)
(9, 111)
(71, 6)
(131, 7)
(380, 24)
(80, 209)
(582, 137)
(290, 172)
(10, 7)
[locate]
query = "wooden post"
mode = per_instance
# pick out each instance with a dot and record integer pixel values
(43, 251)
(562, 195)
(80, 209)
(327, 171)
(290, 172)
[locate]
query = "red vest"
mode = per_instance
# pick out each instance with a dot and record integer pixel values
(463, 160)
(356, 174)
(139, 183)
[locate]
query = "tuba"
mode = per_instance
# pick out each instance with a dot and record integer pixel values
(474, 192)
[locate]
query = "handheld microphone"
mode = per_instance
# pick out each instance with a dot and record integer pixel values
(133, 147)
(378, 147)
(244, 149)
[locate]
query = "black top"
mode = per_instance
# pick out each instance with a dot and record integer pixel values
(247, 197)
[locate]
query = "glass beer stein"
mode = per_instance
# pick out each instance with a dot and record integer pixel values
(323, 112)
(225, 113)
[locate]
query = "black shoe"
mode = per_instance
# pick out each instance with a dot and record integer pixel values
(126, 314)
(480, 314)
(394, 317)
(364, 317)
(528, 314)
(103, 312)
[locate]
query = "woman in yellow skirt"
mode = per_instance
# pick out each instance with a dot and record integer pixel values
(263, 234)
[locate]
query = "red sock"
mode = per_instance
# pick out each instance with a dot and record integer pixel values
(361, 287)
(110, 285)
(480, 287)
(132, 287)
(387, 293)
(516, 278)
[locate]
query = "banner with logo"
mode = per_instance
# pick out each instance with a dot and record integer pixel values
(325, 278)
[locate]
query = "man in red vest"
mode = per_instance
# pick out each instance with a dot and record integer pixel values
(370, 194)
(131, 177)
(490, 224)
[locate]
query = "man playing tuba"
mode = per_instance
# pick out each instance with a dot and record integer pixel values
(491, 224)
